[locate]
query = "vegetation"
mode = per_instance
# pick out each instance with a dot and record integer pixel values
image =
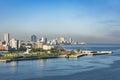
(37, 50)
(22, 48)
(37, 55)
(34, 53)
(9, 55)
(71, 53)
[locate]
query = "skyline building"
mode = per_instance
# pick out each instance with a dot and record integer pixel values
(40, 44)
(33, 38)
(44, 40)
(61, 40)
(70, 40)
(18, 44)
(6, 38)
(13, 43)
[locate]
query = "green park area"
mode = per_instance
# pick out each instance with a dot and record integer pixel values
(33, 54)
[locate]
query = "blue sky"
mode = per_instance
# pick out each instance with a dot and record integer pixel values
(84, 20)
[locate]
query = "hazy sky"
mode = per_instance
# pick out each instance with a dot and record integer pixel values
(84, 20)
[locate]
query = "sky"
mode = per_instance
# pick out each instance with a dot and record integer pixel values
(93, 21)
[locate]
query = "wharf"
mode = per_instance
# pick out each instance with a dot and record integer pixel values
(89, 53)
(24, 59)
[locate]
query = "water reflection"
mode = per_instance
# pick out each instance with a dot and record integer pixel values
(14, 63)
(73, 59)
(42, 62)
(14, 67)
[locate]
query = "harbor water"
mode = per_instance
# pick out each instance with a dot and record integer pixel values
(100, 67)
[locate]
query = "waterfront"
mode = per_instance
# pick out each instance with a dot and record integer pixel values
(102, 67)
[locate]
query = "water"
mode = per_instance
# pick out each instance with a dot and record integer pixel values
(101, 67)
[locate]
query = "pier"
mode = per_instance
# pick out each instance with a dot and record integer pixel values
(89, 53)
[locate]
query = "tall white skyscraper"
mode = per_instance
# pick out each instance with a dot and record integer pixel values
(70, 40)
(6, 38)
(44, 40)
(13, 43)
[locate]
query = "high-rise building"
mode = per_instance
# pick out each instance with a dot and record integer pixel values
(6, 38)
(1, 42)
(13, 43)
(44, 40)
(70, 40)
(61, 40)
(33, 38)
(54, 42)
(18, 44)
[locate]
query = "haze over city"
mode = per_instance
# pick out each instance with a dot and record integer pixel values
(59, 39)
(93, 21)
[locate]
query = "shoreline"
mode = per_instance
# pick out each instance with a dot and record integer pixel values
(24, 59)
(32, 58)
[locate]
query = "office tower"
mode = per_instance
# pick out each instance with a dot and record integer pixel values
(33, 38)
(18, 44)
(70, 40)
(54, 42)
(6, 38)
(1, 42)
(61, 40)
(44, 40)
(13, 43)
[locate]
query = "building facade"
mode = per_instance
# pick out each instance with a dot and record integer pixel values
(6, 38)
(33, 38)
(3, 47)
(47, 47)
(44, 40)
(13, 43)
(40, 44)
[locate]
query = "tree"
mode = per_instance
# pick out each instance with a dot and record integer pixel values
(22, 48)
(78, 50)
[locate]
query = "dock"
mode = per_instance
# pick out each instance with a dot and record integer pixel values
(89, 53)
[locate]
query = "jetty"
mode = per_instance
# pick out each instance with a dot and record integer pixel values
(89, 53)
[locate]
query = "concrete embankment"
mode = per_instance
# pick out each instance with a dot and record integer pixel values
(89, 53)
(5, 60)
(23, 59)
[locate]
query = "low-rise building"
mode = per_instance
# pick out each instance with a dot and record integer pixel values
(29, 45)
(40, 44)
(3, 47)
(47, 47)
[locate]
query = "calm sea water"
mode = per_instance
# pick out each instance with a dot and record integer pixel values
(101, 67)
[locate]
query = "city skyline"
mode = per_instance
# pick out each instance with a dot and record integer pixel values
(93, 21)
(33, 38)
